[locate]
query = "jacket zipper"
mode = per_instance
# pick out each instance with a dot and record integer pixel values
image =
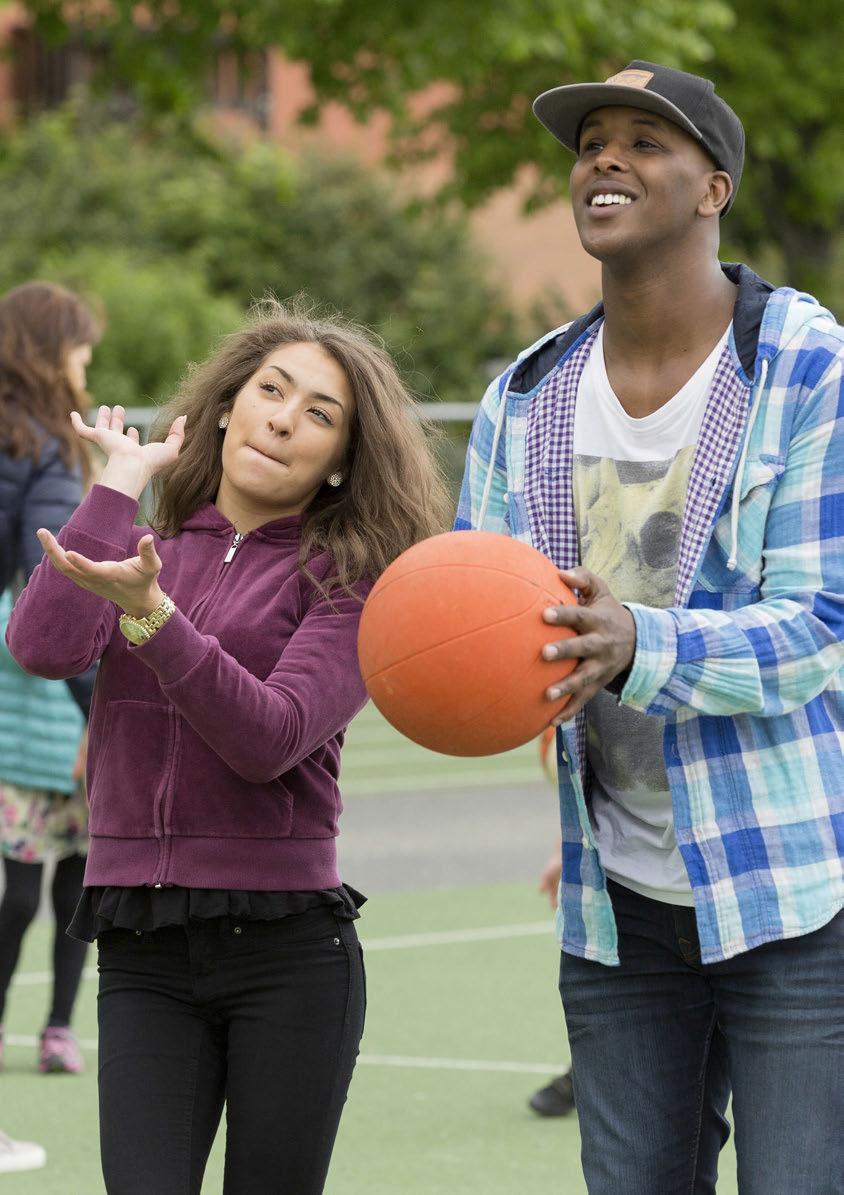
(227, 559)
(165, 798)
(160, 802)
(235, 544)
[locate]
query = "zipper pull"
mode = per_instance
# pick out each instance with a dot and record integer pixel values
(235, 544)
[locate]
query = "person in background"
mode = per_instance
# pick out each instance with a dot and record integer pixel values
(290, 472)
(46, 338)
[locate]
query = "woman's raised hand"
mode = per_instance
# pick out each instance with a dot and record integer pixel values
(130, 464)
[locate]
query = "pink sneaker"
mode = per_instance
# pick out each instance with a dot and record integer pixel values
(59, 1053)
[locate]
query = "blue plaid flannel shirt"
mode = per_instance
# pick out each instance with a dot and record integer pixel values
(747, 666)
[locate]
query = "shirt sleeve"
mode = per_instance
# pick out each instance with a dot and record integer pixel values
(57, 629)
(777, 654)
(262, 728)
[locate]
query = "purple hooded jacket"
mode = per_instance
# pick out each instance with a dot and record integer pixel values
(214, 749)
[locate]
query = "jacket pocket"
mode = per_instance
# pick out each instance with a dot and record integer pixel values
(211, 800)
(758, 485)
(132, 762)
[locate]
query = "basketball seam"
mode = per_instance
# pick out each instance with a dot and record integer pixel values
(489, 568)
(456, 639)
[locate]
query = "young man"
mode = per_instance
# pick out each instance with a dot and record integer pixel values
(679, 452)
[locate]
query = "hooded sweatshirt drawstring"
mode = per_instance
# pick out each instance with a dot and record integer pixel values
(499, 424)
(734, 508)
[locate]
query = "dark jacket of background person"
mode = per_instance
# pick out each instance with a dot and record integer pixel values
(33, 494)
(223, 730)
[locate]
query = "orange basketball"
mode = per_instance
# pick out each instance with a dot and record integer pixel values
(451, 638)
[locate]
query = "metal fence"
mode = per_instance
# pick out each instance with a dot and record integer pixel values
(437, 412)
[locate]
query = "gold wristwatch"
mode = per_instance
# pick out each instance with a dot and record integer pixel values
(139, 630)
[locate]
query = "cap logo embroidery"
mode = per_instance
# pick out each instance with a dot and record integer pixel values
(631, 78)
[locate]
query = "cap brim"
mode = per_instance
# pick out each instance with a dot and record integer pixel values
(563, 109)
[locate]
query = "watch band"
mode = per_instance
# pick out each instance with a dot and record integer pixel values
(139, 630)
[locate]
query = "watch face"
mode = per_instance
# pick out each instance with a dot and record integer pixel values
(133, 631)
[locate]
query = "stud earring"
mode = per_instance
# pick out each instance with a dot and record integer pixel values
(335, 479)
(224, 421)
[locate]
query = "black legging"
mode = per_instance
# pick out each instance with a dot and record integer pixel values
(18, 908)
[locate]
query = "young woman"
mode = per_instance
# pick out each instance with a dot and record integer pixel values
(46, 338)
(293, 472)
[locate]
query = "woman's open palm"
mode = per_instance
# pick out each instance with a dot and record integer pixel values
(110, 437)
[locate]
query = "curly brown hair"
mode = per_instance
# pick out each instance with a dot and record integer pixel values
(392, 495)
(40, 324)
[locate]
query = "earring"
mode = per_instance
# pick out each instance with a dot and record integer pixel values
(224, 421)
(335, 479)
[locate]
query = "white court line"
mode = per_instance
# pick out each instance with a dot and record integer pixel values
(401, 1061)
(462, 1064)
(35, 977)
(490, 933)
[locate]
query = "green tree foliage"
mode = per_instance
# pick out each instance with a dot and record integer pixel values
(780, 68)
(775, 60)
(366, 55)
(177, 236)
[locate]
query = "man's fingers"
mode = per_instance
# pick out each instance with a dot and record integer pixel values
(576, 648)
(588, 673)
(585, 582)
(581, 686)
(577, 617)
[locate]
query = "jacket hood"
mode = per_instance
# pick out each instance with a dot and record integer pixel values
(765, 320)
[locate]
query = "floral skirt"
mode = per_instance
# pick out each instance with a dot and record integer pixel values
(34, 823)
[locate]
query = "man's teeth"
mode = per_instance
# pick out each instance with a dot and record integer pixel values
(606, 200)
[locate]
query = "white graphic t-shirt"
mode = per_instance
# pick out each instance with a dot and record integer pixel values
(630, 478)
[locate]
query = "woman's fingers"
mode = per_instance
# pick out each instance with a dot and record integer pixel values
(118, 415)
(81, 427)
(132, 434)
(176, 434)
(150, 561)
(56, 554)
(52, 547)
(103, 418)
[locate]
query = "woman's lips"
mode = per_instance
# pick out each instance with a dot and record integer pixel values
(266, 455)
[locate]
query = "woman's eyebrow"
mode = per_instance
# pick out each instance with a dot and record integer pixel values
(292, 381)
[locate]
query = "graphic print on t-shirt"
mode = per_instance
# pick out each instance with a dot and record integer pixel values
(630, 515)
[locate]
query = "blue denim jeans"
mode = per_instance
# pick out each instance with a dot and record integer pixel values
(659, 1044)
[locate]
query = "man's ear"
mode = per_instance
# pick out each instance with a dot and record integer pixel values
(717, 195)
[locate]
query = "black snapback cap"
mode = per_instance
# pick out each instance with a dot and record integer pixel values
(686, 100)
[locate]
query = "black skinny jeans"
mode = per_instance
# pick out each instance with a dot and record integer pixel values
(264, 1016)
(17, 910)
